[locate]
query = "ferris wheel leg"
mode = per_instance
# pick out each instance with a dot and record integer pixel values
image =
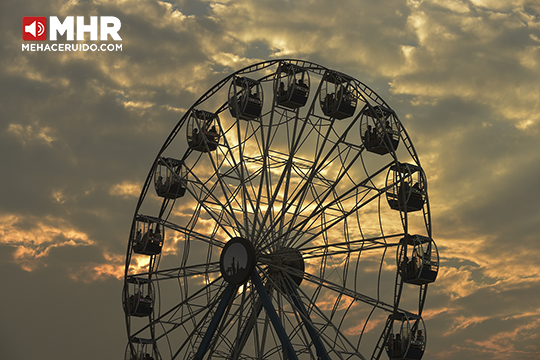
(322, 354)
(241, 341)
(223, 305)
(288, 350)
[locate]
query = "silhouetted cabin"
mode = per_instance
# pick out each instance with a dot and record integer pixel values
(407, 187)
(245, 98)
(291, 86)
(148, 236)
(203, 130)
(170, 178)
(418, 259)
(138, 296)
(406, 338)
(141, 349)
(379, 129)
(338, 96)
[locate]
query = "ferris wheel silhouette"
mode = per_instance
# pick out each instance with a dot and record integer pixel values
(290, 220)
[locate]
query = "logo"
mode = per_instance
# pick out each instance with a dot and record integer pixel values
(74, 33)
(34, 28)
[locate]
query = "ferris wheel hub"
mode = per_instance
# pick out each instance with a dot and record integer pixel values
(237, 261)
(285, 263)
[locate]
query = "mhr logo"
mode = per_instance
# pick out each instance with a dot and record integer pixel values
(34, 28)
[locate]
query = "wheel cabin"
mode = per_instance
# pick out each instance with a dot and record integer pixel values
(418, 259)
(245, 98)
(379, 129)
(170, 178)
(407, 187)
(338, 96)
(406, 338)
(203, 131)
(138, 296)
(291, 86)
(148, 236)
(141, 349)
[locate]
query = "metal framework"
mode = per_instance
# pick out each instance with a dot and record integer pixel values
(297, 175)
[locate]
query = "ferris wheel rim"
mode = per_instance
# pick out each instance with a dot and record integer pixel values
(208, 94)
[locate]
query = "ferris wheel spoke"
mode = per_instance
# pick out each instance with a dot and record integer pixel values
(223, 215)
(265, 183)
(192, 234)
(169, 315)
(323, 344)
(303, 190)
(183, 271)
(246, 327)
(287, 173)
(298, 305)
(222, 308)
(337, 288)
(365, 243)
(350, 293)
(319, 212)
(320, 162)
(194, 334)
(227, 168)
(345, 252)
(247, 202)
(347, 347)
(218, 329)
(273, 315)
(294, 142)
(310, 223)
(319, 200)
(243, 172)
(336, 202)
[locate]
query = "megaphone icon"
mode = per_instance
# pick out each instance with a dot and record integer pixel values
(32, 28)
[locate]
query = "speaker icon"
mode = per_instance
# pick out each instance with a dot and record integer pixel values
(34, 28)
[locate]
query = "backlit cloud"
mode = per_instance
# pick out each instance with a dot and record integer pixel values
(33, 239)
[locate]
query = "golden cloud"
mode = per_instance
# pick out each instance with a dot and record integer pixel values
(33, 238)
(32, 134)
(126, 189)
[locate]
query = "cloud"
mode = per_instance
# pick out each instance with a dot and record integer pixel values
(29, 134)
(33, 239)
(126, 188)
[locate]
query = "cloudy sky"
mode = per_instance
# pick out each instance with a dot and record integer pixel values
(79, 131)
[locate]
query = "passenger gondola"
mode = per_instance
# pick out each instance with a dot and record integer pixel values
(291, 86)
(407, 187)
(141, 349)
(406, 338)
(379, 129)
(245, 98)
(138, 296)
(170, 178)
(203, 131)
(418, 260)
(338, 96)
(148, 236)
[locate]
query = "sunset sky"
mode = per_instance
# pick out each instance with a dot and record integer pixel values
(79, 131)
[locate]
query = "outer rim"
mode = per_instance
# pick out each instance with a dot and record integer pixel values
(310, 67)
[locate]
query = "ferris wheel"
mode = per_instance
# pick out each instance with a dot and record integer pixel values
(285, 217)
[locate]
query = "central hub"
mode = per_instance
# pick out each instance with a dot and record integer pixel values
(237, 261)
(291, 258)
